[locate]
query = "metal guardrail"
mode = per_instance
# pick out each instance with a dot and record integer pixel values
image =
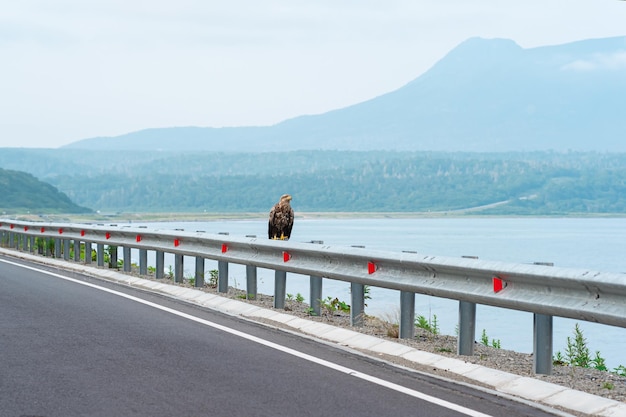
(546, 291)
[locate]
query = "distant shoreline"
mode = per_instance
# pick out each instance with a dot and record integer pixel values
(204, 217)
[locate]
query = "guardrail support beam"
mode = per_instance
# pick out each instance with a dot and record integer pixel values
(143, 261)
(407, 315)
(199, 281)
(100, 254)
(160, 264)
(127, 261)
(315, 288)
(542, 344)
(222, 276)
(88, 252)
(178, 267)
(357, 309)
(77, 247)
(280, 289)
(251, 282)
(113, 255)
(467, 328)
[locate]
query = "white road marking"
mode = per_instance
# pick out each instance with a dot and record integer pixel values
(267, 343)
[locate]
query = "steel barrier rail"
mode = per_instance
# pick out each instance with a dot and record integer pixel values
(544, 290)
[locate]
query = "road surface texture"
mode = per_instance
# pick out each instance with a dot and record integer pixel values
(81, 346)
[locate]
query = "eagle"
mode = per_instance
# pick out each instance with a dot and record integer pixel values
(281, 219)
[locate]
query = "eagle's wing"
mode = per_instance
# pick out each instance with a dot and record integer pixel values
(271, 224)
(288, 221)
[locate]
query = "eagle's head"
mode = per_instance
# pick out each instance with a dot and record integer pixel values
(286, 198)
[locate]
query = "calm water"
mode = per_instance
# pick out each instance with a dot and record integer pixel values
(597, 244)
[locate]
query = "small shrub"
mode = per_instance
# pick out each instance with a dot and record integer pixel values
(598, 362)
(331, 305)
(620, 370)
(577, 353)
(494, 343)
(422, 322)
(213, 277)
(484, 339)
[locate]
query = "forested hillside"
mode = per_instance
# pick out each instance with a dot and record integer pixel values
(511, 183)
(22, 192)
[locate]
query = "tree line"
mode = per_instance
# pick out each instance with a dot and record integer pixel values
(530, 183)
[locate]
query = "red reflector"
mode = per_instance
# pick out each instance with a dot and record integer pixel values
(60, 231)
(498, 284)
(176, 242)
(371, 267)
(286, 256)
(107, 235)
(224, 247)
(26, 228)
(43, 229)
(138, 238)
(12, 226)
(82, 233)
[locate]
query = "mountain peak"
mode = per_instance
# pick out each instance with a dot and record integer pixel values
(484, 95)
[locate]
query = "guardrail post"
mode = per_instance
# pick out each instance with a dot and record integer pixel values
(25, 243)
(100, 254)
(251, 282)
(160, 264)
(542, 344)
(32, 244)
(316, 295)
(407, 315)
(222, 276)
(66, 249)
(58, 250)
(280, 289)
(49, 242)
(143, 262)
(315, 290)
(357, 309)
(199, 281)
(88, 252)
(113, 253)
(467, 328)
(126, 256)
(77, 247)
(542, 339)
(178, 267)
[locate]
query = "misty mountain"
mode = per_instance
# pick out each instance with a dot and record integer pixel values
(486, 95)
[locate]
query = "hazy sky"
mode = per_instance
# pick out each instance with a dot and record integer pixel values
(73, 69)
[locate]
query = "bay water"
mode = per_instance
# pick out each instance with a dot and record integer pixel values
(589, 243)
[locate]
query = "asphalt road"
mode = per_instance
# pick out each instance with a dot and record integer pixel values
(81, 346)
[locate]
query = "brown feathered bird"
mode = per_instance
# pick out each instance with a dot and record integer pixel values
(281, 219)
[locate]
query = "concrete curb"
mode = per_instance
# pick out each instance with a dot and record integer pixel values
(523, 387)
